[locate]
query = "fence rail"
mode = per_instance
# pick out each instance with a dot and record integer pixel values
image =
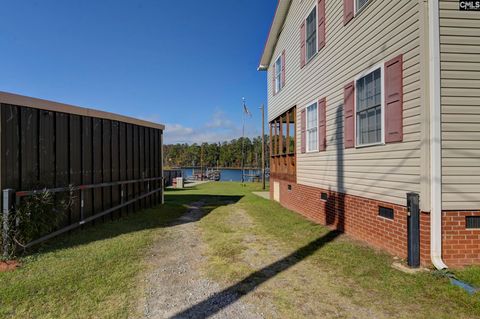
(12, 198)
(84, 187)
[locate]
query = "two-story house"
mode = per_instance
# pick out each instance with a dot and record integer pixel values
(369, 100)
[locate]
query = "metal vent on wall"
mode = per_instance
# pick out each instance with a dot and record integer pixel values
(385, 212)
(473, 222)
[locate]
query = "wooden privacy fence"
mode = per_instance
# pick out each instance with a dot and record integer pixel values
(113, 162)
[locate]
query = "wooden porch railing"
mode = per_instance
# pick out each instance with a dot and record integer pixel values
(283, 167)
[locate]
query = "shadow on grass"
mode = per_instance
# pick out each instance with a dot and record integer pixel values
(334, 217)
(230, 295)
(161, 216)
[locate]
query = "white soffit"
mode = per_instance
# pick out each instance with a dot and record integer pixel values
(275, 29)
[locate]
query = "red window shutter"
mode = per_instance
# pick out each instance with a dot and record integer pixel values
(303, 131)
(348, 9)
(283, 68)
(273, 78)
(394, 100)
(303, 52)
(349, 115)
(321, 24)
(322, 124)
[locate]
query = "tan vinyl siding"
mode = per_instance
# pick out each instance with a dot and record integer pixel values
(381, 31)
(460, 80)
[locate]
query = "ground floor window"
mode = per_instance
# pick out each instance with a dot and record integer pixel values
(312, 128)
(369, 108)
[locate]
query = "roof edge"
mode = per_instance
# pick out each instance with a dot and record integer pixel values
(21, 100)
(272, 38)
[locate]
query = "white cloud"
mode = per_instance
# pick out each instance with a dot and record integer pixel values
(220, 120)
(179, 129)
(218, 128)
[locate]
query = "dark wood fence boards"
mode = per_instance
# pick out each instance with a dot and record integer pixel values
(75, 161)
(46, 144)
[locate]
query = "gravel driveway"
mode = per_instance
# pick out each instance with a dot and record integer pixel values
(174, 288)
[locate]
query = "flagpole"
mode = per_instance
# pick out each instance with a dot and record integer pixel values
(243, 140)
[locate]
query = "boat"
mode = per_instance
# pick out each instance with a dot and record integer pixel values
(209, 175)
(214, 175)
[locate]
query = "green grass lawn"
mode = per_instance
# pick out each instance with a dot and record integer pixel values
(95, 272)
(362, 273)
(92, 273)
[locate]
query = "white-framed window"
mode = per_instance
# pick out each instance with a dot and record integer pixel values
(311, 34)
(359, 4)
(312, 127)
(278, 74)
(369, 107)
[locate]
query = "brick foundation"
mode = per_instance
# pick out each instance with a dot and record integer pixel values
(460, 246)
(425, 238)
(358, 217)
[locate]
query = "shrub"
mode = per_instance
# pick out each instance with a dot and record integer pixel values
(37, 215)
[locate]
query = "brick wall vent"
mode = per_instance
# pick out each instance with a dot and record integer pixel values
(385, 212)
(472, 222)
(324, 196)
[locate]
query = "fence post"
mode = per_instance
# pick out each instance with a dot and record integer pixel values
(122, 200)
(70, 203)
(16, 204)
(82, 205)
(7, 209)
(163, 190)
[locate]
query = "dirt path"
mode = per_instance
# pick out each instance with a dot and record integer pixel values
(174, 288)
(302, 290)
(177, 286)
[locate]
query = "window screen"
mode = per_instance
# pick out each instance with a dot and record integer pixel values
(278, 74)
(361, 4)
(311, 34)
(369, 109)
(312, 128)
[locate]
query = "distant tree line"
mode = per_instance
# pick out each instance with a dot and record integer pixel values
(224, 154)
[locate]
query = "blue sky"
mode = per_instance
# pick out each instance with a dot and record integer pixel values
(186, 64)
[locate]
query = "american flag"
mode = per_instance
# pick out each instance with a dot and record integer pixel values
(246, 110)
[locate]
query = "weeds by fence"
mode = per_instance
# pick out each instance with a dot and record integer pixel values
(32, 217)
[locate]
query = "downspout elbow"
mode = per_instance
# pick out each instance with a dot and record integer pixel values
(438, 263)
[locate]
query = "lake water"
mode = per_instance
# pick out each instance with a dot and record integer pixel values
(226, 175)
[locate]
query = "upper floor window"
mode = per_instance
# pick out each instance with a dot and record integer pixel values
(359, 4)
(278, 74)
(369, 108)
(352, 8)
(312, 128)
(311, 36)
(373, 106)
